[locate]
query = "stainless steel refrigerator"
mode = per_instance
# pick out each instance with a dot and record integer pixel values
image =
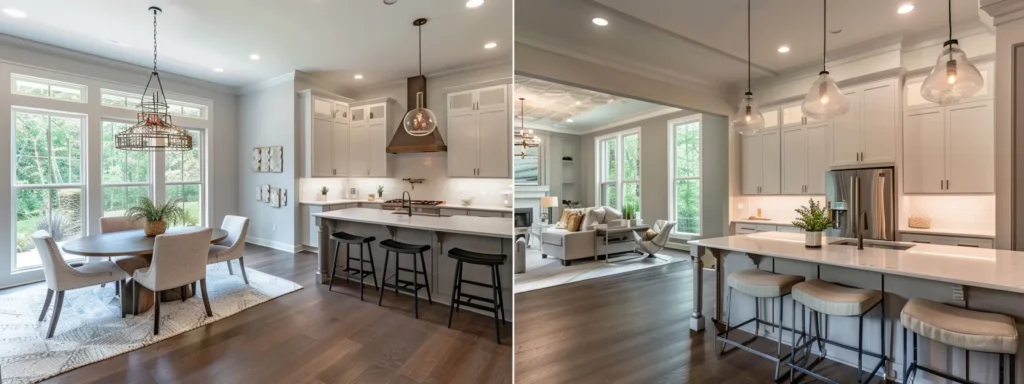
(877, 202)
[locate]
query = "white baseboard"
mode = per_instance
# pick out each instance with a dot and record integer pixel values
(291, 248)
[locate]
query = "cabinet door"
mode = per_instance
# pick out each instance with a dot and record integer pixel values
(359, 153)
(846, 133)
(378, 154)
(495, 142)
(463, 144)
(794, 161)
(461, 102)
(924, 151)
(323, 108)
(376, 112)
(340, 147)
(323, 150)
(878, 123)
(771, 117)
(792, 115)
(771, 163)
(359, 114)
(970, 158)
(340, 111)
(817, 158)
(492, 98)
(750, 164)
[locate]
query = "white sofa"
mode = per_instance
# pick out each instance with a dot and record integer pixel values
(567, 246)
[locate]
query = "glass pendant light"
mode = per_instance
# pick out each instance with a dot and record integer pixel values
(953, 78)
(420, 121)
(824, 100)
(748, 118)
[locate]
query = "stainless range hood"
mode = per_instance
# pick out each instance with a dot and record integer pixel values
(403, 142)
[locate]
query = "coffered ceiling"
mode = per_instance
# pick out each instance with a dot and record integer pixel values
(569, 109)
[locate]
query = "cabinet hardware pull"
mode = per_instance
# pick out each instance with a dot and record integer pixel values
(941, 186)
(922, 242)
(947, 185)
(967, 245)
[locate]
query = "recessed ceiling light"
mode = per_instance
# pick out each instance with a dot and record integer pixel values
(358, 77)
(474, 3)
(783, 49)
(218, 69)
(905, 8)
(568, 120)
(18, 14)
(600, 21)
(490, 45)
(577, 103)
(254, 57)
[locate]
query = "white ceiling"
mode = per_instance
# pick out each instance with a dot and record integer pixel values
(548, 106)
(703, 42)
(330, 39)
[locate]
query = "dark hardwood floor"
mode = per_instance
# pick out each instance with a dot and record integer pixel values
(632, 328)
(317, 336)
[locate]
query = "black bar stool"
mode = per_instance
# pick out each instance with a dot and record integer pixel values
(497, 306)
(349, 239)
(400, 249)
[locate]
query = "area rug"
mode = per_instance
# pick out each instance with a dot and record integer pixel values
(91, 328)
(548, 272)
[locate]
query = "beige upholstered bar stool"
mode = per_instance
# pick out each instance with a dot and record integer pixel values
(760, 285)
(828, 299)
(959, 328)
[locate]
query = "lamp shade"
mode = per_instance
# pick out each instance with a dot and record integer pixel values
(953, 78)
(748, 118)
(824, 100)
(549, 202)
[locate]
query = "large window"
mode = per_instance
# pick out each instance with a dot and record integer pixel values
(125, 100)
(47, 180)
(125, 173)
(684, 148)
(184, 177)
(618, 170)
(46, 88)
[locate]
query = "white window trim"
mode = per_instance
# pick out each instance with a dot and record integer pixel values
(599, 168)
(49, 82)
(672, 173)
(203, 110)
(150, 183)
(203, 133)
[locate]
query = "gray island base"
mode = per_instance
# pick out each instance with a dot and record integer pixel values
(479, 234)
(979, 279)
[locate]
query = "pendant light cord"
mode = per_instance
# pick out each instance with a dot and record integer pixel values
(419, 30)
(950, 19)
(748, 46)
(154, 40)
(824, 32)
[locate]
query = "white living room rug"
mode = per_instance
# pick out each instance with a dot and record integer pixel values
(91, 329)
(546, 273)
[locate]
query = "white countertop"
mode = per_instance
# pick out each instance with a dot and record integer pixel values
(950, 232)
(467, 225)
(978, 267)
(492, 208)
(765, 222)
(339, 201)
(381, 201)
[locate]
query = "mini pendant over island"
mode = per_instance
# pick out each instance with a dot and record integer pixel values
(824, 100)
(420, 121)
(953, 78)
(748, 118)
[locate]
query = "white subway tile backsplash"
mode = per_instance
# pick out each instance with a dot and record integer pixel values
(781, 208)
(952, 213)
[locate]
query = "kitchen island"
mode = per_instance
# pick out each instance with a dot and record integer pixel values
(480, 234)
(979, 279)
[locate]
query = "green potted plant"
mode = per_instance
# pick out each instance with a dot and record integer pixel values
(629, 215)
(323, 194)
(813, 220)
(380, 191)
(157, 215)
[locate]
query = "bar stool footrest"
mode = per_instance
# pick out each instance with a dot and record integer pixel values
(413, 271)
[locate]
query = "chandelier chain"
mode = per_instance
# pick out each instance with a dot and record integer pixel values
(154, 40)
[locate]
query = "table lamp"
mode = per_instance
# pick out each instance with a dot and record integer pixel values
(549, 202)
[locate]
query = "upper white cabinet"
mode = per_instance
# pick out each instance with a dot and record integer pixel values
(804, 157)
(949, 149)
(760, 163)
(479, 133)
(368, 141)
(866, 134)
(325, 122)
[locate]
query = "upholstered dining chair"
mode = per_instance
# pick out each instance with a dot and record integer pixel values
(118, 224)
(178, 260)
(62, 277)
(655, 245)
(233, 246)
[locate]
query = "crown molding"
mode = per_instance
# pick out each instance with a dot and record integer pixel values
(449, 72)
(1003, 11)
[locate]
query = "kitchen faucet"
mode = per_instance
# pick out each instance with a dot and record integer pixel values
(404, 194)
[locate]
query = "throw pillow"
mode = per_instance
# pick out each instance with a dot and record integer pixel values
(575, 222)
(611, 214)
(650, 235)
(593, 217)
(565, 218)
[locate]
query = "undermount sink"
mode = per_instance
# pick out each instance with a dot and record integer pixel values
(419, 214)
(876, 244)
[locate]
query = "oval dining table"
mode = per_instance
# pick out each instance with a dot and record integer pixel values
(134, 243)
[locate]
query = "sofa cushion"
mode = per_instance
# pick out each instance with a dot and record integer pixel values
(592, 217)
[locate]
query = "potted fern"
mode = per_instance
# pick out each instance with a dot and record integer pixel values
(813, 220)
(157, 215)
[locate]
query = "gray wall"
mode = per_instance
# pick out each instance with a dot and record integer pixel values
(654, 166)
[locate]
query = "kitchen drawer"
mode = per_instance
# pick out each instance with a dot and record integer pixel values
(454, 212)
(786, 228)
(973, 242)
(370, 205)
(484, 213)
(767, 228)
(744, 228)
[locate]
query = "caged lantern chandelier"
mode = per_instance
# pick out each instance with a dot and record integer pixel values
(524, 138)
(824, 100)
(748, 118)
(420, 121)
(953, 78)
(154, 130)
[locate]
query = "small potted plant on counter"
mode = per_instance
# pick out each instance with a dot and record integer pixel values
(629, 215)
(380, 191)
(323, 194)
(157, 215)
(813, 220)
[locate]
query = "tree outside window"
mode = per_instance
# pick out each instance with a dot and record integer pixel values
(618, 158)
(684, 134)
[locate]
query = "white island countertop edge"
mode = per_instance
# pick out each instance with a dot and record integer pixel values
(467, 225)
